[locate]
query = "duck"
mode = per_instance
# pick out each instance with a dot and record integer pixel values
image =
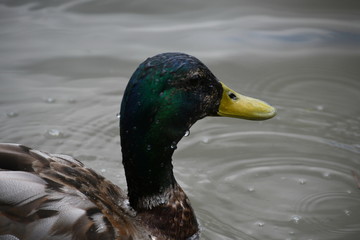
(54, 196)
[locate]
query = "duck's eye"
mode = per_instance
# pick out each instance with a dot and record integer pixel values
(232, 96)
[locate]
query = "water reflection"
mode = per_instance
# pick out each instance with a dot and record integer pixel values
(287, 178)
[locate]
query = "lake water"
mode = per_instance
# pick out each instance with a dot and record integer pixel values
(64, 66)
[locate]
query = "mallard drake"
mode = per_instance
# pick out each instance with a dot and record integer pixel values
(54, 196)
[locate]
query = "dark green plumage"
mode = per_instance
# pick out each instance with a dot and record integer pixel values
(164, 97)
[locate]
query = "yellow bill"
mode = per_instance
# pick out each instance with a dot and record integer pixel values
(236, 105)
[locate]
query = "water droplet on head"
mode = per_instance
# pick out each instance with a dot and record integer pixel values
(173, 145)
(187, 133)
(148, 65)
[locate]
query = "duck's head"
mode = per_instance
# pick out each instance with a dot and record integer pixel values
(165, 96)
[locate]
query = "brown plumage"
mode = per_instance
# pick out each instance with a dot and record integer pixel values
(54, 196)
(59, 196)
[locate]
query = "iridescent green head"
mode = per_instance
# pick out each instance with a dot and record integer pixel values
(165, 96)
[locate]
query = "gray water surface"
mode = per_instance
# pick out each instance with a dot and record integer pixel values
(64, 66)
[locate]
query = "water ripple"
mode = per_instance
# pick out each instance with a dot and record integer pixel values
(227, 139)
(308, 191)
(328, 212)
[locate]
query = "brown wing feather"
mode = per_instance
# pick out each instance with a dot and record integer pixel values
(50, 196)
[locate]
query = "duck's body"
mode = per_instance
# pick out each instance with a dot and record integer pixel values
(46, 196)
(51, 196)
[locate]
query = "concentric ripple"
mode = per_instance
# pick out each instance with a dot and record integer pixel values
(330, 213)
(274, 183)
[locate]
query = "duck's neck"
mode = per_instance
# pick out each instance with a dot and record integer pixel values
(148, 170)
(147, 148)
